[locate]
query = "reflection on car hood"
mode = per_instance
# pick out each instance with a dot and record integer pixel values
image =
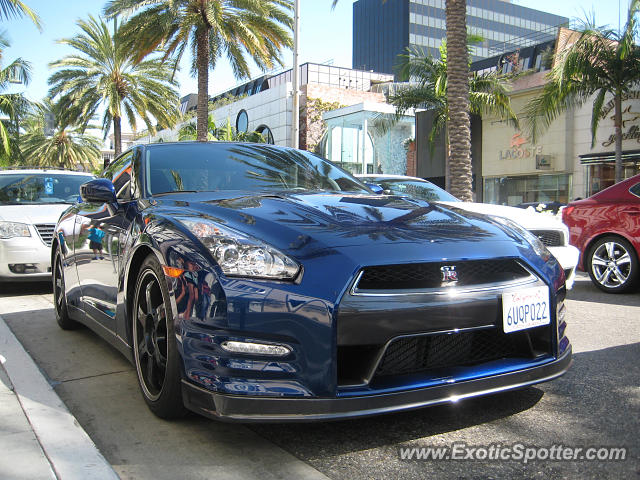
(312, 221)
(528, 218)
(40, 213)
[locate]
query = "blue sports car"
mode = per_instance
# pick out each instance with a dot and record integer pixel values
(256, 282)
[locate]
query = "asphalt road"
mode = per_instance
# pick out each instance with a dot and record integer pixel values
(596, 404)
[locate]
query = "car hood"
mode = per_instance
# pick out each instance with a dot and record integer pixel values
(309, 222)
(527, 217)
(40, 213)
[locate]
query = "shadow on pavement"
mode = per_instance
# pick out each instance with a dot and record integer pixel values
(585, 291)
(594, 404)
(18, 289)
(314, 440)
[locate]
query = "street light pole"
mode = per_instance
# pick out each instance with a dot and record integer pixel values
(295, 113)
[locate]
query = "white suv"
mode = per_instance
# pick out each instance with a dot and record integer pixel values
(31, 202)
(551, 231)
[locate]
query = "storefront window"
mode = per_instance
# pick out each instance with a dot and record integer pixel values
(527, 188)
(343, 146)
(602, 175)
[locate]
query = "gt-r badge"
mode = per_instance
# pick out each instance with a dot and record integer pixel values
(449, 274)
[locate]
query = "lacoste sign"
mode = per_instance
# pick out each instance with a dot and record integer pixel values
(518, 149)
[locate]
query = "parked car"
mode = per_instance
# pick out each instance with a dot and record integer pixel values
(551, 231)
(256, 282)
(606, 229)
(550, 207)
(31, 201)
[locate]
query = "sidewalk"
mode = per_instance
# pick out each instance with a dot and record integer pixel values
(39, 438)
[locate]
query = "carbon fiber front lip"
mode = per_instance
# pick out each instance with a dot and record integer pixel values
(277, 409)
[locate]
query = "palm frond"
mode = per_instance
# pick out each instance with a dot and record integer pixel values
(16, 9)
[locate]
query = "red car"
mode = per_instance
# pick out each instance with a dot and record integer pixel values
(606, 229)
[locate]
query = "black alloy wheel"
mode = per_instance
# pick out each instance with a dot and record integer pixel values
(59, 298)
(154, 345)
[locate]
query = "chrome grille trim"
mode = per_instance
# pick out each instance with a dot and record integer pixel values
(46, 231)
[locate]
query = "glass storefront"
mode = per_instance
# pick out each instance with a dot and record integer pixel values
(357, 142)
(344, 147)
(602, 175)
(527, 188)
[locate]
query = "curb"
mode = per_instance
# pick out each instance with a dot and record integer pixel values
(71, 453)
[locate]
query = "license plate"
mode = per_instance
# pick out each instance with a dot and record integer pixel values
(525, 308)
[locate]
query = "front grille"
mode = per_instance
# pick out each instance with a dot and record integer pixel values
(550, 238)
(429, 275)
(424, 353)
(46, 230)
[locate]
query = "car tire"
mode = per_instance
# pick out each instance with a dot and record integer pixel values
(59, 297)
(613, 265)
(155, 350)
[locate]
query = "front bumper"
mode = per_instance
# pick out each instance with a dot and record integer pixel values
(274, 409)
(30, 252)
(567, 257)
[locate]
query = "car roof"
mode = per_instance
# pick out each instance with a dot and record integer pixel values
(617, 191)
(30, 171)
(209, 144)
(389, 177)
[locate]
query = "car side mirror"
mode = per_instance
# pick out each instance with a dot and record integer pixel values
(100, 190)
(375, 188)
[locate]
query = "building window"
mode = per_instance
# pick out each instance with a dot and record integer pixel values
(242, 122)
(266, 133)
(344, 146)
(527, 188)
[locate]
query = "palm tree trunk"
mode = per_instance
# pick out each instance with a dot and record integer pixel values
(447, 161)
(617, 99)
(117, 136)
(202, 61)
(458, 100)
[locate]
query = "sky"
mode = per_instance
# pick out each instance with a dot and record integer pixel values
(325, 36)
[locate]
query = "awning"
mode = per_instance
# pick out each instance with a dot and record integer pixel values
(609, 157)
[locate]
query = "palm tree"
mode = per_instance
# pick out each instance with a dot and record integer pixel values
(458, 121)
(225, 134)
(212, 28)
(459, 125)
(10, 103)
(21, 108)
(15, 9)
(429, 87)
(103, 74)
(68, 147)
(601, 62)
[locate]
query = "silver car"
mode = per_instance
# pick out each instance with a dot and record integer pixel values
(31, 202)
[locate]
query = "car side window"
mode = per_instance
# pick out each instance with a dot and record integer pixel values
(635, 190)
(119, 172)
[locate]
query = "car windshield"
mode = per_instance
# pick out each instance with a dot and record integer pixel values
(417, 189)
(216, 166)
(40, 188)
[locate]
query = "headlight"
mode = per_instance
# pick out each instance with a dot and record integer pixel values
(534, 241)
(240, 255)
(14, 229)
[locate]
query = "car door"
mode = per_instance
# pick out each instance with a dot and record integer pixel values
(103, 228)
